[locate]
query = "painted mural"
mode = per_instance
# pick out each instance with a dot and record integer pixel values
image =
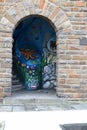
(34, 48)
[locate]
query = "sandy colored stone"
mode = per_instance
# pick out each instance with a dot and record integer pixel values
(68, 4)
(77, 95)
(72, 81)
(42, 2)
(80, 3)
(2, 0)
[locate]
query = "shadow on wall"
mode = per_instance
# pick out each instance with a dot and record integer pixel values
(34, 49)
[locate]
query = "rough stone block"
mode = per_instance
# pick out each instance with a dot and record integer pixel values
(80, 4)
(1, 92)
(77, 95)
(61, 81)
(67, 4)
(79, 57)
(2, 0)
(42, 2)
(72, 81)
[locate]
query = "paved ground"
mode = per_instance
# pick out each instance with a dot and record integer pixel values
(41, 100)
(44, 120)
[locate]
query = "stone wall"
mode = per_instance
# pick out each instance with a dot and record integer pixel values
(73, 56)
(70, 20)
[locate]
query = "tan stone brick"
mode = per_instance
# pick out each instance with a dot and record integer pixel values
(79, 57)
(6, 65)
(10, 18)
(68, 57)
(2, 70)
(60, 90)
(72, 40)
(64, 71)
(64, 47)
(5, 55)
(42, 2)
(36, 2)
(83, 27)
(6, 43)
(84, 47)
(1, 9)
(74, 52)
(66, 24)
(21, 9)
(67, 30)
(80, 14)
(76, 27)
(84, 86)
(5, 84)
(70, 14)
(6, 94)
(84, 67)
(84, 76)
(17, 10)
(4, 75)
(5, 50)
(80, 3)
(1, 92)
(82, 62)
(77, 95)
(57, 2)
(74, 76)
(75, 9)
(70, 71)
(61, 81)
(58, 16)
(73, 37)
(2, 0)
(72, 81)
(67, 4)
(54, 12)
(70, 90)
(45, 7)
(64, 95)
(4, 34)
(62, 57)
(86, 4)
(50, 8)
(75, 67)
(73, 48)
(78, 22)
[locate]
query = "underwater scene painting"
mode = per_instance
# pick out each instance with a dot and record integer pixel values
(34, 49)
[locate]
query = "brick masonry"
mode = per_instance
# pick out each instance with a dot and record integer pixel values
(70, 20)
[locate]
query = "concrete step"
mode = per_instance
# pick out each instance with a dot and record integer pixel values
(16, 84)
(15, 81)
(40, 97)
(39, 102)
(14, 77)
(17, 87)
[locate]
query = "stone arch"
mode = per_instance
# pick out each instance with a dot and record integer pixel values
(51, 11)
(40, 32)
(45, 8)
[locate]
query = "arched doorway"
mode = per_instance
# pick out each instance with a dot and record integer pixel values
(34, 52)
